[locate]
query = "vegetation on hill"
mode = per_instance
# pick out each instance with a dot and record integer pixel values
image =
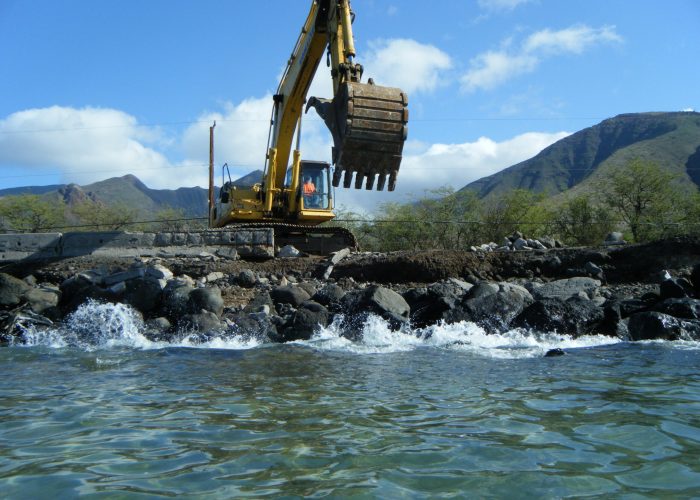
(671, 140)
(639, 198)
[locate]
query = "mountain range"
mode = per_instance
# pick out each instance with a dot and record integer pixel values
(671, 140)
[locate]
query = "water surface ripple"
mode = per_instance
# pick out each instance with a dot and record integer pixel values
(308, 420)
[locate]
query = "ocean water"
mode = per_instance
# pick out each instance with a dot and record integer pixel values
(95, 409)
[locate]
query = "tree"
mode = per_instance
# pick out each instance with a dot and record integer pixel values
(516, 210)
(96, 216)
(31, 213)
(581, 222)
(640, 193)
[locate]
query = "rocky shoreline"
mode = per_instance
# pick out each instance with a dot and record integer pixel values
(633, 292)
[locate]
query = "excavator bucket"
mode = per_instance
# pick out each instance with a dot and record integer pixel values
(368, 124)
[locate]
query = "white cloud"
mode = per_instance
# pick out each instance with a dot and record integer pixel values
(574, 39)
(407, 64)
(453, 165)
(87, 144)
(492, 68)
(501, 5)
(241, 137)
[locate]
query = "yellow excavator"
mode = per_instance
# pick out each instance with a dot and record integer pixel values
(368, 124)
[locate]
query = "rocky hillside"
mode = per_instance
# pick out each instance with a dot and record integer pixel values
(672, 140)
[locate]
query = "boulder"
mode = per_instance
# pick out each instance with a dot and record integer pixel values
(144, 294)
(246, 278)
(207, 299)
(672, 288)
(260, 300)
(44, 301)
(684, 308)
(566, 288)
(614, 238)
(383, 302)
(575, 316)
(203, 321)
(289, 294)
(328, 294)
(651, 325)
(175, 299)
(12, 290)
(493, 311)
(255, 325)
(288, 251)
(434, 303)
(695, 278)
(308, 288)
(307, 320)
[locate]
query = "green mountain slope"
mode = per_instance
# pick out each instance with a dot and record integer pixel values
(672, 140)
(130, 191)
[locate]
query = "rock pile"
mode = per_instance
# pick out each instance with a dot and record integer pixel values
(280, 307)
(516, 242)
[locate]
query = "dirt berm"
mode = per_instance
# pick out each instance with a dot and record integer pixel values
(621, 264)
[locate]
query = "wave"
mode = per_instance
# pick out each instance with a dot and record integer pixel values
(96, 325)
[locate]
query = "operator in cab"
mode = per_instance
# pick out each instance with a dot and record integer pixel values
(309, 190)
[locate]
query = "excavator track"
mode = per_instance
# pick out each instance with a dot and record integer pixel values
(319, 240)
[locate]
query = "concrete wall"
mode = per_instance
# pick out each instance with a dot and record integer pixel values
(43, 246)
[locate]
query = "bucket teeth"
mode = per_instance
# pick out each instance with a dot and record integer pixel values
(369, 126)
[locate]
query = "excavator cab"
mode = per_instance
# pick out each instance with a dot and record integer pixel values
(315, 191)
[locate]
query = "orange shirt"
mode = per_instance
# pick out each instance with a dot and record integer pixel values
(309, 188)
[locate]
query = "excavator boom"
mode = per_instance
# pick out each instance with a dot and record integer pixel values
(368, 123)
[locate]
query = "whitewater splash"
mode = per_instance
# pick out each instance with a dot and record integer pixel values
(97, 325)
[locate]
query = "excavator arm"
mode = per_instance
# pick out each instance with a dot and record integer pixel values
(367, 121)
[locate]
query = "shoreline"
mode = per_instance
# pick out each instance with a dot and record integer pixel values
(632, 292)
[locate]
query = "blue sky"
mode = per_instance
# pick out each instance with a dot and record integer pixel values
(92, 90)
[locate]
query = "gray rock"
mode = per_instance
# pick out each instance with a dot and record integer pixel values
(695, 278)
(308, 288)
(338, 256)
(158, 271)
(519, 244)
(566, 288)
(289, 294)
(684, 308)
(614, 238)
(493, 311)
(260, 300)
(288, 251)
(574, 316)
(207, 299)
(593, 270)
(307, 320)
(11, 290)
(672, 289)
(227, 252)
(328, 294)
(42, 299)
(482, 289)
(143, 294)
(652, 325)
(203, 321)
(129, 274)
(175, 299)
(383, 302)
(215, 276)
(246, 278)
(547, 241)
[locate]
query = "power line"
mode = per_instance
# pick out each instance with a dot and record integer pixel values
(265, 120)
